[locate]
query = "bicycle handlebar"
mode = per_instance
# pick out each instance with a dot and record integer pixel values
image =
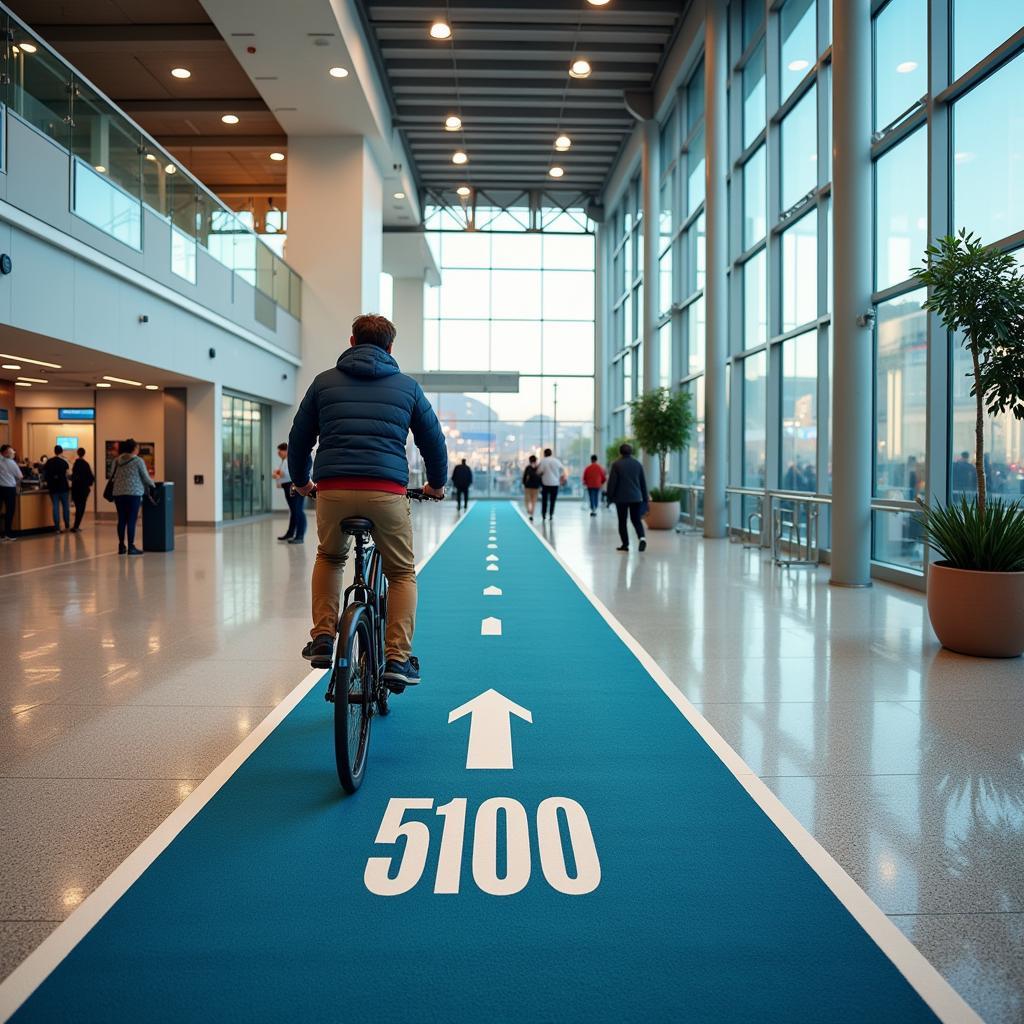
(412, 493)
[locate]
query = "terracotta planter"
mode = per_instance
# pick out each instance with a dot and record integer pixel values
(977, 613)
(662, 515)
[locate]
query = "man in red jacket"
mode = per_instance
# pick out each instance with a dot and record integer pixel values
(593, 479)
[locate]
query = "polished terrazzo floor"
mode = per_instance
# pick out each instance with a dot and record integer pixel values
(126, 681)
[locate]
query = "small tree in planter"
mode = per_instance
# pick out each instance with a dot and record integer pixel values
(976, 589)
(662, 421)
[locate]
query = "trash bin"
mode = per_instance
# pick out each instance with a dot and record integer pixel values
(158, 519)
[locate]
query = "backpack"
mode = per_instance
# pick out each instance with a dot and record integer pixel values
(531, 478)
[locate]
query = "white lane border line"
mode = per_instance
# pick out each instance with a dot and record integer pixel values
(943, 1000)
(46, 957)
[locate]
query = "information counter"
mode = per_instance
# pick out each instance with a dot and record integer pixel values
(34, 511)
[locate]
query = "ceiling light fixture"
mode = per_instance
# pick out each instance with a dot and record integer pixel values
(25, 359)
(11, 366)
(452, 123)
(152, 387)
(798, 65)
(100, 384)
(149, 156)
(556, 172)
(905, 67)
(22, 384)
(34, 380)
(597, 3)
(580, 69)
(28, 47)
(101, 169)
(338, 72)
(440, 30)
(170, 169)
(464, 190)
(123, 380)
(458, 157)
(230, 118)
(181, 73)
(562, 143)
(399, 195)
(277, 156)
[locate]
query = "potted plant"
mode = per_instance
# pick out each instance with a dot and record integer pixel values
(976, 587)
(662, 421)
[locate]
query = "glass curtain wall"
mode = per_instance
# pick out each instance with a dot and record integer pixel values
(512, 299)
(245, 456)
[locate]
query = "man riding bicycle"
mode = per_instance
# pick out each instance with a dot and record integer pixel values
(361, 411)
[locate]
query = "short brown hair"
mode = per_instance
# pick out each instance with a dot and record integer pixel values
(373, 329)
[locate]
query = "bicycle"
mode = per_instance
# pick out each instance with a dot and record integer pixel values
(356, 686)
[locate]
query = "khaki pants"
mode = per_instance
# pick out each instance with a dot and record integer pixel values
(531, 498)
(392, 533)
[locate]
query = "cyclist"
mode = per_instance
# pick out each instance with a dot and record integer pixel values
(361, 411)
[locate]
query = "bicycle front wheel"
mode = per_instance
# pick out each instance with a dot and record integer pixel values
(354, 673)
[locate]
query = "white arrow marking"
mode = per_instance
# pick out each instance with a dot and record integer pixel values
(492, 547)
(492, 591)
(492, 558)
(490, 729)
(490, 627)
(492, 568)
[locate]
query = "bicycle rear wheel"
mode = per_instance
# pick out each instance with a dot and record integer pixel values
(380, 585)
(354, 675)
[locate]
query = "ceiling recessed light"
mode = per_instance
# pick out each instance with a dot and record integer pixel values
(398, 195)
(277, 156)
(597, 3)
(149, 156)
(34, 380)
(102, 385)
(11, 366)
(580, 68)
(230, 118)
(170, 169)
(26, 359)
(464, 190)
(440, 30)
(556, 172)
(798, 65)
(28, 47)
(338, 72)
(123, 380)
(905, 67)
(562, 143)
(458, 157)
(181, 72)
(452, 123)
(101, 169)
(152, 387)
(22, 384)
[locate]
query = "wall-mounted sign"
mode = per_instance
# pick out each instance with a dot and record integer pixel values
(76, 414)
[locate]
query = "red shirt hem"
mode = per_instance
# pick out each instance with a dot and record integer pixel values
(359, 483)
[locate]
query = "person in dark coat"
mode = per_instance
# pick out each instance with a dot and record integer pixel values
(55, 475)
(462, 480)
(359, 413)
(82, 479)
(627, 491)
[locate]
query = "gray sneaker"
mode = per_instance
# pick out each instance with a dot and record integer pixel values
(400, 674)
(319, 652)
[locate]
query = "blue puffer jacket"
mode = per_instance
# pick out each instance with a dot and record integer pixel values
(362, 411)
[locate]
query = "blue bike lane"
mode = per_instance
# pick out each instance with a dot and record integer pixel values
(541, 835)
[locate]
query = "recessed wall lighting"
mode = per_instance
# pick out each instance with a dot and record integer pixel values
(799, 65)
(230, 118)
(905, 67)
(22, 384)
(580, 69)
(458, 157)
(123, 380)
(556, 172)
(11, 366)
(170, 169)
(102, 385)
(338, 72)
(28, 47)
(440, 30)
(34, 380)
(597, 3)
(101, 169)
(562, 143)
(398, 195)
(25, 359)
(277, 156)
(181, 72)
(464, 190)
(152, 387)
(452, 123)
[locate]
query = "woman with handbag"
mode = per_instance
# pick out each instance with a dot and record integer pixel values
(128, 483)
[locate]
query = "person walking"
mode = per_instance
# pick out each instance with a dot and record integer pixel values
(10, 477)
(296, 532)
(594, 477)
(462, 480)
(552, 476)
(82, 479)
(627, 490)
(131, 480)
(55, 475)
(531, 485)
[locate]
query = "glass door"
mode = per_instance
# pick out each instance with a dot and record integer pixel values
(245, 457)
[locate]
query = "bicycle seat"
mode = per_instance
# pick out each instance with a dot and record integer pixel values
(357, 524)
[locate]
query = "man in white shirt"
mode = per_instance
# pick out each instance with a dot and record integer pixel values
(10, 477)
(552, 476)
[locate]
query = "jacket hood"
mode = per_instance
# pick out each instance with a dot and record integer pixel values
(367, 361)
(124, 457)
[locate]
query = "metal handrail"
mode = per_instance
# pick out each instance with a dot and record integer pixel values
(691, 491)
